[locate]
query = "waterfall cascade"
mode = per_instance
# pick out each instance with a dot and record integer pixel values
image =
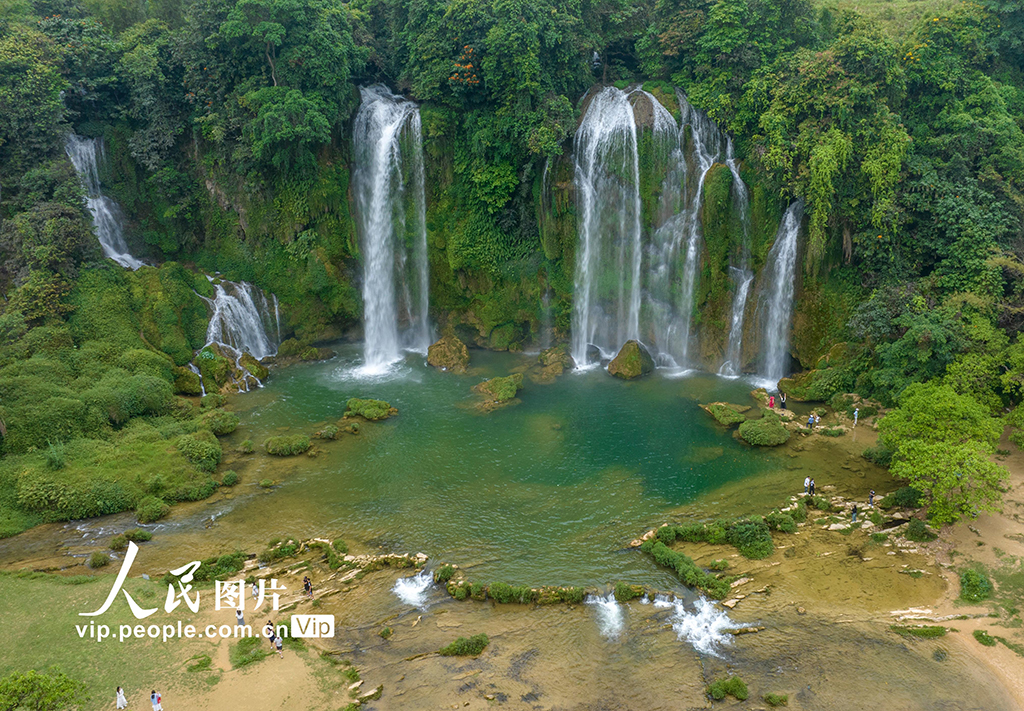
(732, 366)
(776, 301)
(388, 182)
(240, 318)
(632, 282)
(107, 219)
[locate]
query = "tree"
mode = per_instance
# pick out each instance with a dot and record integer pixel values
(41, 691)
(941, 444)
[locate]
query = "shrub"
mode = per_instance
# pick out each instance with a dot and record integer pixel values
(246, 447)
(718, 565)
(340, 546)
(198, 449)
(213, 401)
(220, 422)
(625, 593)
(150, 509)
(386, 633)
(368, 409)
(984, 638)
(118, 542)
(505, 593)
(685, 569)
(765, 432)
(444, 574)
(327, 432)
(463, 647)
(906, 497)
(732, 686)
(287, 445)
(778, 521)
(776, 700)
(726, 415)
(918, 531)
(974, 586)
(880, 455)
(98, 560)
(924, 631)
(266, 483)
(138, 535)
(799, 514)
(879, 537)
(752, 538)
(55, 456)
(230, 478)
(278, 551)
(833, 432)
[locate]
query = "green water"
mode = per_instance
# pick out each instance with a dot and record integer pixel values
(547, 491)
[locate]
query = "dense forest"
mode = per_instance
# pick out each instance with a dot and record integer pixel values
(227, 127)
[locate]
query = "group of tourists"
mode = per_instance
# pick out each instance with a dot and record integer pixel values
(154, 698)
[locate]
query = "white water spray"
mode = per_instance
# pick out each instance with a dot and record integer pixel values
(388, 181)
(413, 590)
(704, 628)
(107, 219)
(610, 620)
(742, 276)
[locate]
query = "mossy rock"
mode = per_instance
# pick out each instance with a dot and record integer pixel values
(765, 432)
(449, 354)
(557, 356)
(501, 389)
(186, 382)
(287, 445)
(813, 385)
(255, 368)
(369, 409)
(726, 413)
(214, 367)
(632, 361)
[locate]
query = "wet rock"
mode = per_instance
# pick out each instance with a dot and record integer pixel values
(557, 358)
(186, 382)
(257, 369)
(632, 361)
(449, 353)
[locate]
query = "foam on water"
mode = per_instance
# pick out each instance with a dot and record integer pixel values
(609, 615)
(704, 628)
(413, 590)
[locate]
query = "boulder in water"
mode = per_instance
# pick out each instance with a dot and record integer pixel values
(631, 362)
(768, 431)
(255, 368)
(369, 409)
(213, 365)
(501, 389)
(557, 355)
(449, 354)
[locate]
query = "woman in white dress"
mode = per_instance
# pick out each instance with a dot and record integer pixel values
(122, 702)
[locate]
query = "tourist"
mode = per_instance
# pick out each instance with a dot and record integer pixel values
(307, 585)
(817, 419)
(154, 698)
(856, 412)
(871, 499)
(771, 402)
(279, 644)
(807, 484)
(782, 397)
(239, 618)
(812, 488)
(810, 422)
(255, 590)
(854, 512)
(122, 702)
(268, 632)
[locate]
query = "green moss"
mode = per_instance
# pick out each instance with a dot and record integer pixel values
(220, 422)
(501, 389)
(463, 647)
(732, 686)
(632, 361)
(776, 700)
(625, 593)
(974, 586)
(984, 638)
(98, 560)
(768, 431)
(726, 414)
(369, 409)
(246, 651)
(151, 509)
(201, 449)
(924, 631)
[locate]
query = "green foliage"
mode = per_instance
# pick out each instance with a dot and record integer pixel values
(768, 431)
(246, 446)
(386, 632)
(879, 455)
(200, 448)
(984, 638)
(625, 593)
(327, 432)
(731, 686)
(287, 445)
(138, 535)
(463, 647)
(685, 569)
(726, 415)
(776, 700)
(974, 586)
(505, 593)
(151, 509)
(752, 538)
(119, 542)
(502, 389)
(941, 443)
(368, 409)
(444, 574)
(229, 478)
(51, 690)
(918, 532)
(279, 550)
(906, 497)
(923, 631)
(220, 422)
(778, 521)
(98, 560)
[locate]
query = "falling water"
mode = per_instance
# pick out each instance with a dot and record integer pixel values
(413, 590)
(704, 628)
(391, 209)
(202, 386)
(607, 293)
(85, 154)
(240, 314)
(742, 276)
(609, 615)
(776, 301)
(545, 320)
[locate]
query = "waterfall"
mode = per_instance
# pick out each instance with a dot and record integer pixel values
(240, 316)
(607, 291)
(733, 364)
(609, 615)
(194, 369)
(107, 219)
(776, 302)
(390, 199)
(705, 628)
(546, 329)
(632, 284)
(413, 590)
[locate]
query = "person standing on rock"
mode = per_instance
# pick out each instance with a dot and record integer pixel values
(812, 488)
(771, 402)
(854, 512)
(807, 484)
(871, 499)
(856, 413)
(810, 422)
(782, 398)
(122, 702)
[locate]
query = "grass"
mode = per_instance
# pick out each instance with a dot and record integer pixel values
(463, 647)
(248, 650)
(731, 686)
(974, 586)
(984, 638)
(924, 631)
(776, 700)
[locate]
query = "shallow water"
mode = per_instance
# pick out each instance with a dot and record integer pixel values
(545, 491)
